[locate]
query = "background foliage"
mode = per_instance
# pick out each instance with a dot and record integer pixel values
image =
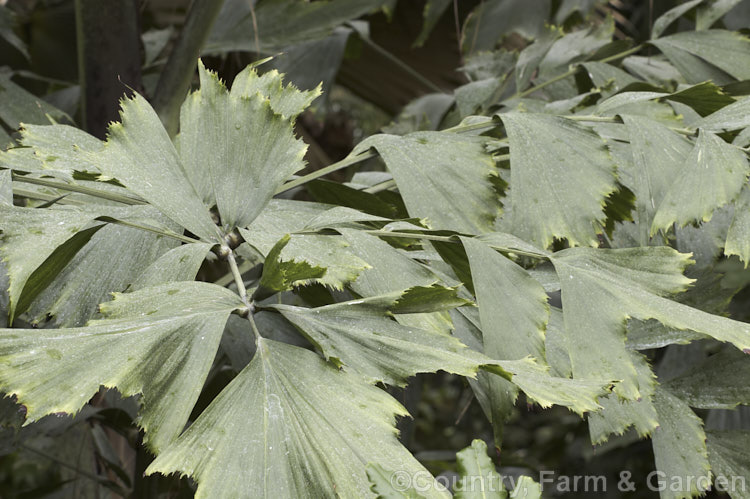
(525, 223)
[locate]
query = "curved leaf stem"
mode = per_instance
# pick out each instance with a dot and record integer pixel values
(111, 196)
(148, 228)
(254, 326)
(594, 119)
(615, 119)
(448, 239)
(574, 70)
(624, 53)
(382, 186)
(529, 91)
(224, 280)
(412, 235)
(238, 278)
(364, 156)
(348, 161)
(40, 196)
(489, 124)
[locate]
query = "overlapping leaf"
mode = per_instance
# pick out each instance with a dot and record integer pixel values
(391, 271)
(436, 170)
(235, 149)
(512, 305)
(601, 288)
(657, 155)
(716, 55)
(479, 479)
(713, 175)
(178, 264)
(738, 235)
(30, 236)
(617, 415)
(731, 117)
(299, 220)
(140, 154)
(360, 336)
(329, 252)
(92, 274)
(53, 150)
(728, 455)
(292, 425)
(578, 395)
(497, 395)
(561, 173)
(281, 275)
(680, 448)
(158, 342)
(57, 253)
(718, 383)
(568, 49)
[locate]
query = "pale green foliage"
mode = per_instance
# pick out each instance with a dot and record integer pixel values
(179, 264)
(61, 148)
(287, 100)
(247, 148)
(679, 445)
(6, 188)
(30, 236)
(561, 172)
(617, 415)
(453, 167)
(159, 341)
(391, 271)
(738, 235)
(479, 479)
(579, 395)
(720, 382)
(601, 288)
(73, 295)
(473, 463)
(331, 252)
(727, 453)
(731, 117)
(140, 154)
(582, 188)
(712, 176)
(526, 487)
(705, 55)
(357, 334)
(291, 425)
(512, 305)
(655, 158)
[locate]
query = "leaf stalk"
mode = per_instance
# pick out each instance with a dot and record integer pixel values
(573, 70)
